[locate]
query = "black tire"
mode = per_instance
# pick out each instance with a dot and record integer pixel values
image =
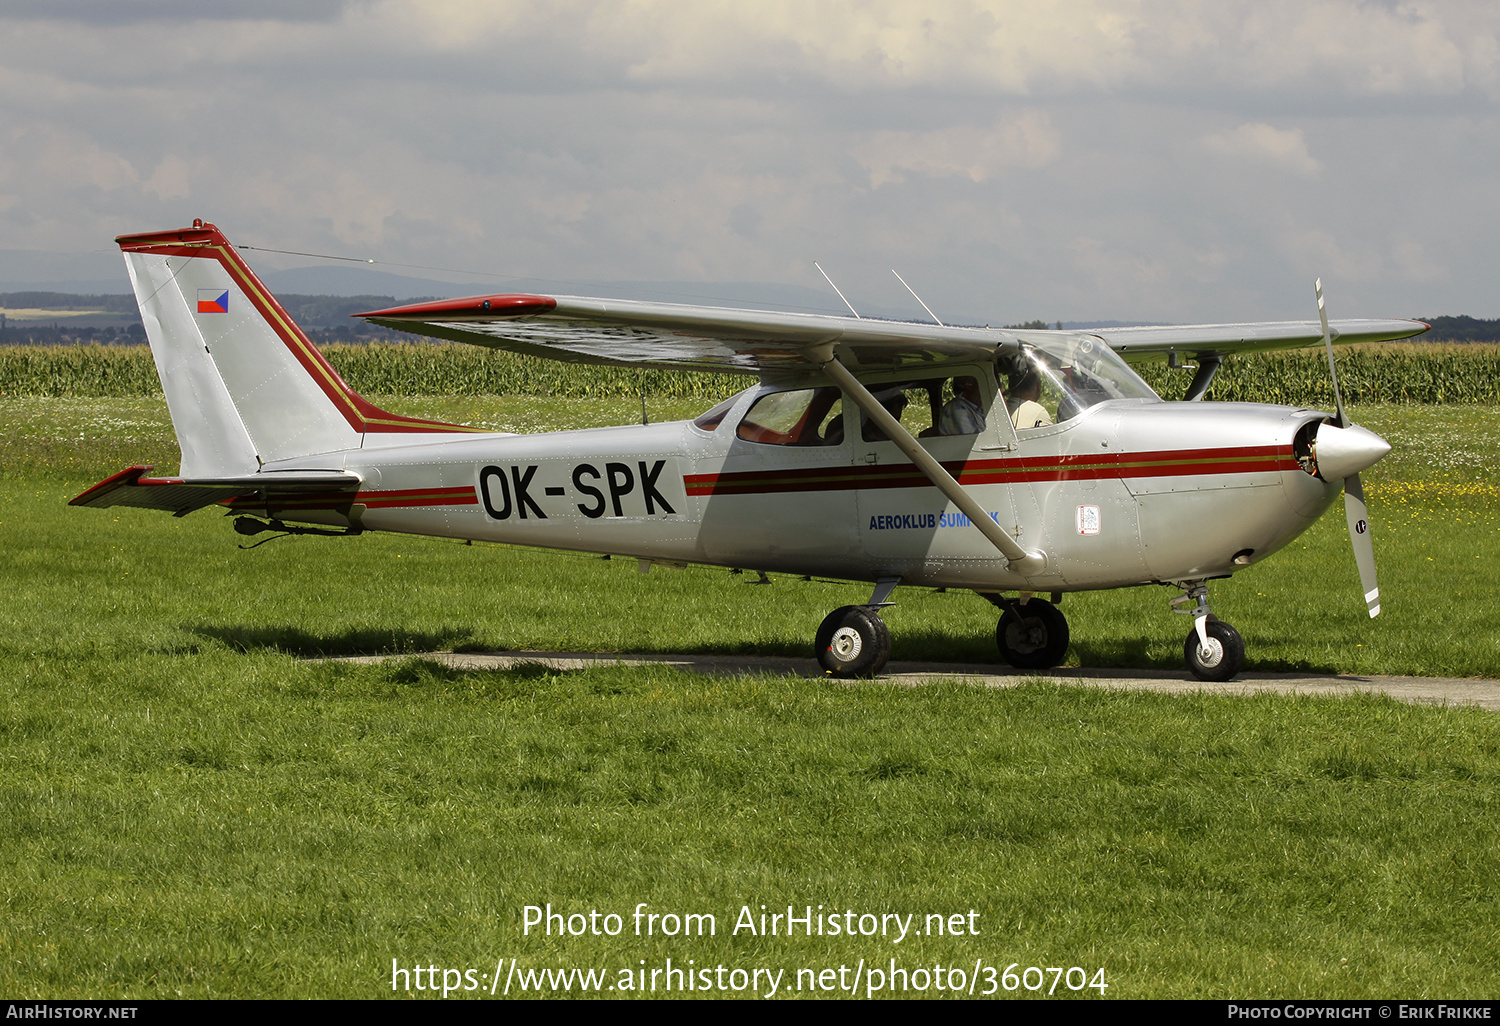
(1226, 656)
(853, 641)
(1033, 636)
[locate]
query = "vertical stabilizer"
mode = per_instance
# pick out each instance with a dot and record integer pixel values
(244, 384)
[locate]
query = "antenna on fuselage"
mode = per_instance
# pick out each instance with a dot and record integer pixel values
(836, 289)
(918, 298)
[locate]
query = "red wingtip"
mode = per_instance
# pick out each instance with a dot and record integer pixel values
(469, 308)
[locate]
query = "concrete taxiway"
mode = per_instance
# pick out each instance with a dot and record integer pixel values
(1483, 693)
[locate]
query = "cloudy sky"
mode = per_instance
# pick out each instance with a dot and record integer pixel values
(1140, 160)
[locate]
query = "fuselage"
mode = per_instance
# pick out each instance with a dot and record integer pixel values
(1125, 492)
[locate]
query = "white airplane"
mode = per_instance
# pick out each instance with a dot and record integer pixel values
(868, 450)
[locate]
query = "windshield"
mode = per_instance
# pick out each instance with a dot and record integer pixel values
(1067, 374)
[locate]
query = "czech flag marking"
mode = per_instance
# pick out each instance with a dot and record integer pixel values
(213, 301)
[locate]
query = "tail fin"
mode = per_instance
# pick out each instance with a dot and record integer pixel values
(244, 385)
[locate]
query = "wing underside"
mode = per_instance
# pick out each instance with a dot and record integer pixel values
(668, 335)
(1139, 344)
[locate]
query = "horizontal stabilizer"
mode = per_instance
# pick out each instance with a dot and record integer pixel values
(307, 489)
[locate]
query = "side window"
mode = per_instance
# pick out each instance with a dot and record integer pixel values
(910, 402)
(931, 406)
(807, 416)
(963, 412)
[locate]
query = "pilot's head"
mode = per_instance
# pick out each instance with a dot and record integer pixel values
(1026, 384)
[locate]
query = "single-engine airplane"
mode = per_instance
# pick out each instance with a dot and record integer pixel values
(869, 450)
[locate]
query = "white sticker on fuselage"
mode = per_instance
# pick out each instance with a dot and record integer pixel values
(1088, 519)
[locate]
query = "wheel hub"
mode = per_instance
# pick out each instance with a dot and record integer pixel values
(1212, 653)
(1026, 637)
(846, 643)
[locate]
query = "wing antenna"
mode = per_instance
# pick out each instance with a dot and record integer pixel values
(918, 298)
(836, 289)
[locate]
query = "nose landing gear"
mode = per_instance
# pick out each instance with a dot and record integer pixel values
(1214, 651)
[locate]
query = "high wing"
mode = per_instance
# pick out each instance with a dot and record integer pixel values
(1210, 344)
(1140, 344)
(671, 335)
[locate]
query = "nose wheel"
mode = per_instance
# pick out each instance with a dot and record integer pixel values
(853, 641)
(1214, 650)
(1221, 658)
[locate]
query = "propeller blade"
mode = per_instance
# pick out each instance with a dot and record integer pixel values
(1338, 399)
(1352, 448)
(1358, 518)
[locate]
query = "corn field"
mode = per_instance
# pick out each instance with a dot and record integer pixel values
(1410, 373)
(1392, 373)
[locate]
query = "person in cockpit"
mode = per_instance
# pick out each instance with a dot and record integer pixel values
(1021, 400)
(962, 415)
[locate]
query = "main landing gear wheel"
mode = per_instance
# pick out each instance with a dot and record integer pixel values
(1222, 659)
(853, 642)
(1032, 635)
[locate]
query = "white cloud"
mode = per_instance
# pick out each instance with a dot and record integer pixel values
(1109, 158)
(975, 152)
(171, 179)
(1260, 143)
(1004, 47)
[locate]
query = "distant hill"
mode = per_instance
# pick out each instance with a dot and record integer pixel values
(1460, 329)
(309, 311)
(49, 318)
(67, 301)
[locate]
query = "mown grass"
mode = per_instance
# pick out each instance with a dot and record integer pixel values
(190, 807)
(247, 825)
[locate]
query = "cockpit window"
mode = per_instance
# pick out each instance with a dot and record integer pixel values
(1059, 378)
(807, 416)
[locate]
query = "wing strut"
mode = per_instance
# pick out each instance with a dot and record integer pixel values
(1208, 366)
(1022, 561)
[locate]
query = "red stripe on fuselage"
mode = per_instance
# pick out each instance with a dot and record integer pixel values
(404, 498)
(414, 497)
(1172, 463)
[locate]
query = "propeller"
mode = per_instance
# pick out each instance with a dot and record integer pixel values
(1344, 449)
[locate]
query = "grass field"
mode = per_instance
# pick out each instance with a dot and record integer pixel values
(191, 807)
